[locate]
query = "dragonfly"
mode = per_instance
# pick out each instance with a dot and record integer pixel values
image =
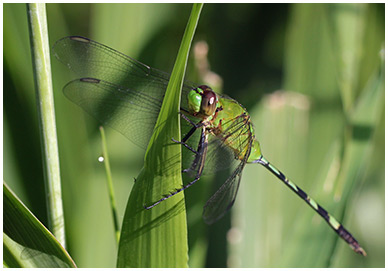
(127, 95)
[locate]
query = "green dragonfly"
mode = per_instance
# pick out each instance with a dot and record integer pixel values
(127, 95)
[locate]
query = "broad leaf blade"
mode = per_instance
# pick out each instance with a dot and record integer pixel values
(158, 237)
(26, 242)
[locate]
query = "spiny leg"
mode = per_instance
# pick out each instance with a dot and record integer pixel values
(197, 125)
(172, 193)
(334, 224)
(190, 133)
(186, 145)
(201, 153)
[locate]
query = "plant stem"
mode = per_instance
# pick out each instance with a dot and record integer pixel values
(45, 103)
(110, 185)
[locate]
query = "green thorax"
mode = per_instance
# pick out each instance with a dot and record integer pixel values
(231, 123)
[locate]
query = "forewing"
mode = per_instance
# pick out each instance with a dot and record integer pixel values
(88, 58)
(117, 90)
(130, 112)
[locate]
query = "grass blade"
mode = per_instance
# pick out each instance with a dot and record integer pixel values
(112, 200)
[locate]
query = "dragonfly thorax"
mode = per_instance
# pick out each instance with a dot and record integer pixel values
(202, 102)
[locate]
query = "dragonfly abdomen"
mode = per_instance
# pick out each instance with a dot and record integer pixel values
(334, 224)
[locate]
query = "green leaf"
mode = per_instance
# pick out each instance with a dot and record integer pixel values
(158, 237)
(26, 241)
(345, 21)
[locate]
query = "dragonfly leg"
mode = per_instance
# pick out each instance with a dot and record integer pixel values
(200, 153)
(172, 193)
(185, 144)
(189, 134)
(200, 158)
(196, 125)
(196, 152)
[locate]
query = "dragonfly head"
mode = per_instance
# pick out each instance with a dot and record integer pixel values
(202, 101)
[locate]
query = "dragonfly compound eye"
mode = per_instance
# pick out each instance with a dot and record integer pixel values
(209, 103)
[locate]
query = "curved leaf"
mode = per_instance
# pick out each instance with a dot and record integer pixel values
(158, 237)
(26, 241)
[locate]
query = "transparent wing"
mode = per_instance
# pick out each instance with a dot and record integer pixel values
(223, 199)
(219, 157)
(88, 58)
(117, 90)
(131, 113)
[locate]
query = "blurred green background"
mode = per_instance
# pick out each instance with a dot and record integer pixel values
(324, 129)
